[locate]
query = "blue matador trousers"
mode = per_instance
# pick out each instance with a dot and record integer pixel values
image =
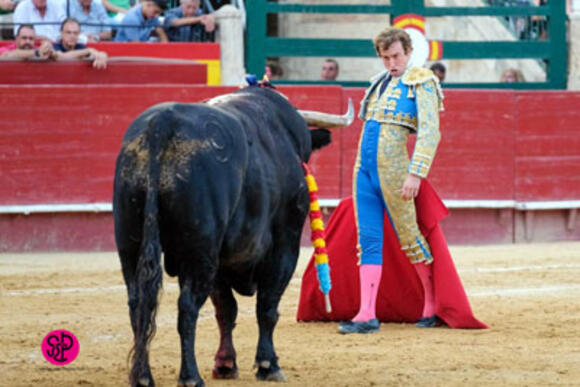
(379, 173)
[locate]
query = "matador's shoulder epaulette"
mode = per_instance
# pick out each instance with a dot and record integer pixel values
(419, 75)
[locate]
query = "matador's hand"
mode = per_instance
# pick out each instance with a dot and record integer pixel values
(410, 188)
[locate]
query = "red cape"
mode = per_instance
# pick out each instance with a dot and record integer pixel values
(400, 296)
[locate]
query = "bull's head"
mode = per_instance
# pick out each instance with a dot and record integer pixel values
(326, 120)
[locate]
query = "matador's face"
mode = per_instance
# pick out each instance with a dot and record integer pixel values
(395, 59)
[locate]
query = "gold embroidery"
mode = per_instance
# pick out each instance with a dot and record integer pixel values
(392, 163)
(417, 75)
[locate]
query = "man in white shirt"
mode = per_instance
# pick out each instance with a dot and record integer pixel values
(41, 11)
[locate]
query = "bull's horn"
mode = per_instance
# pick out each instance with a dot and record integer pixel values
(325, 120)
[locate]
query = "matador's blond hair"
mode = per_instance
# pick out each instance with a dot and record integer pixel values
(389, 36)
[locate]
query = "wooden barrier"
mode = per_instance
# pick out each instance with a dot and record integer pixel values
(207, 54)
(117, 72)
(499, 150)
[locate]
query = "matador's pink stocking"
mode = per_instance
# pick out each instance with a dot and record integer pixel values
(425, 273)
(370, 278)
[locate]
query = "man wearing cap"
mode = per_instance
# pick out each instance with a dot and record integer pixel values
(141, 21)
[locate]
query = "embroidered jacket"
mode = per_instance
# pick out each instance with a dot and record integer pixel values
(411, 101)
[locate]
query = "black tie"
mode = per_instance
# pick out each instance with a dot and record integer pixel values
(384, 85)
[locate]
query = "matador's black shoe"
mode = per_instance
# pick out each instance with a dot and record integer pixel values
(428, 322)
(350, 326)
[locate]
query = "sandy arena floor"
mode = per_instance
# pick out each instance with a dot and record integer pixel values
(529, 294)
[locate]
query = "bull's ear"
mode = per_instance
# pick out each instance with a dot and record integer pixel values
(320, 138)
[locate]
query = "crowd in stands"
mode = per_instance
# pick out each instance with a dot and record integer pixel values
(118, 20)
(533, 27)
(67, 47)
(59, 29)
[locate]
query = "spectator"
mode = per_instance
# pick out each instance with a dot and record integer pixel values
(539, 24)
(70, 48)
(188, 23)
(329, 70)
(92, 12)
(439, 70)
(24, 46)
(141, 21)
(512, 76)
(274, 71)
(41, 11)
(7, 5)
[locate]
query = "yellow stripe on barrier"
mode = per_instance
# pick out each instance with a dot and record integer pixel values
(213, 71)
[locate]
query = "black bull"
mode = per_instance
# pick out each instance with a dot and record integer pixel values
(219, 189)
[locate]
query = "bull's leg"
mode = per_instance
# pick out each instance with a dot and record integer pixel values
(189, 303)
(270, 292)
(266, 359)
(141, 372)
(226, 312)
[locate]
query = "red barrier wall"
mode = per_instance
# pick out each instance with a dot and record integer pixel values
(172, 50)
(58, 145)
(82, 73)
(547, 146)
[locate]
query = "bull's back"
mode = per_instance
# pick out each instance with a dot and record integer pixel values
(201, 153)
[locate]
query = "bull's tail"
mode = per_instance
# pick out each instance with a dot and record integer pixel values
(149, 272)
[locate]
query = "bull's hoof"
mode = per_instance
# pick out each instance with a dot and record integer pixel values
(145, 382)
(191, 383)
(225, 372)
(269, 375)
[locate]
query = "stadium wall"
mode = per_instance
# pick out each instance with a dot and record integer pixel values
(508, 165)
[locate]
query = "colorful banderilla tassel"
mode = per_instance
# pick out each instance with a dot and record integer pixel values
(318, 238)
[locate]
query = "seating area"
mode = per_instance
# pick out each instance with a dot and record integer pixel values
(525, 27)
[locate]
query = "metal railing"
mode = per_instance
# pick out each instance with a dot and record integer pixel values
(553, 50)
(523, 27)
